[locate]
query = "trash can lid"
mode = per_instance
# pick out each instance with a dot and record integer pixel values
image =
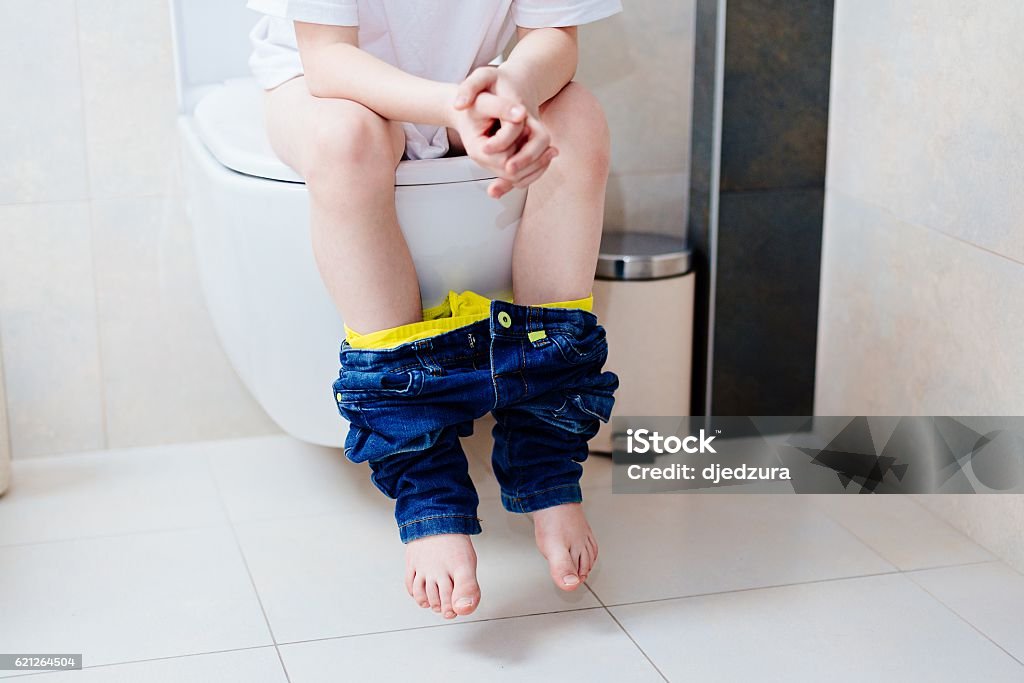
(642, 256)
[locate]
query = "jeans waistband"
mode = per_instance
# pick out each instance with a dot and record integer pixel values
(505, 320)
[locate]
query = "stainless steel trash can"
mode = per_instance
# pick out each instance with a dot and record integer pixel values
(644, 298)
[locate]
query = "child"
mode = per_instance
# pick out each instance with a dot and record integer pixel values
(352, 89)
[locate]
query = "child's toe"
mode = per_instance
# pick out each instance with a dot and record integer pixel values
(466, 594)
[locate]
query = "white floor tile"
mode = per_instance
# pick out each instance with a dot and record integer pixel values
(880, 628)
(278, 476)
(109, 492)
(127, 598)
(343, 574)
(572, 646)
(989, 596)
(665, 545)
(901, 531)
(259, 665)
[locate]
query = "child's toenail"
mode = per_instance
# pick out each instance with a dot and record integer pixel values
(570, 580)
(464, 602)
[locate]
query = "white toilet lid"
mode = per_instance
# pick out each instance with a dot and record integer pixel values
(229, 121)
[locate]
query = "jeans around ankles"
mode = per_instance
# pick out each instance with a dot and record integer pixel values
(539, 371)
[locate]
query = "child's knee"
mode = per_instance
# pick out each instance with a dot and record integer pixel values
(348, 138)
(579, 127)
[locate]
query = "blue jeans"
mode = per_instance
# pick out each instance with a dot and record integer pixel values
(537, 369)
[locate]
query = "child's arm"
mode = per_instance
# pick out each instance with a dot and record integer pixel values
(334, 66)
(541, 64)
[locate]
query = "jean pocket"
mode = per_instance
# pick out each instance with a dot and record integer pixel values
(593, 347)
(362, 387)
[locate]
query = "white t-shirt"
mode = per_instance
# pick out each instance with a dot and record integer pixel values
(443, 40)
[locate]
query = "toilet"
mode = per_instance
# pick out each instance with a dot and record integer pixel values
(249, 215)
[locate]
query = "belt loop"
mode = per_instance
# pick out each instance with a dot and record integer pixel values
(424, 354)
(534, 319)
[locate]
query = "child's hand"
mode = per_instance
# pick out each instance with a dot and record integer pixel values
(523, 141)
(476, 127)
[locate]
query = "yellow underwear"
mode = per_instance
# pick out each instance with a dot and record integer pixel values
(457, 310)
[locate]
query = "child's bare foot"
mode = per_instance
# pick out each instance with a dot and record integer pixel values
(565, 539)
(440, 573)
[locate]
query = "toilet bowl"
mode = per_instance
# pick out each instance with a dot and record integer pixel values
(249, 215)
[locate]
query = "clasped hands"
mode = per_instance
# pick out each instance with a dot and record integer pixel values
(498, 120)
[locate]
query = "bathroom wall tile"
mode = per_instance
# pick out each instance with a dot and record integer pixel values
(928, 113)
(5, 440)
(165, 375)
(769, 248)
(129, 93)
(775, 98)
(48, 327)
(914, 322)
(647, 202)
(639, 64)
(42, 135)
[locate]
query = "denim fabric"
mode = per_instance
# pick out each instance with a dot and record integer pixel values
(409, 405)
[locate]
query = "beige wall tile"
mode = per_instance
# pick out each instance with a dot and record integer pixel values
(166, 378)
(640, 65)
(913, 321)
(130, 106)
(41, 135)
(927, 115)
(647, 202)
(48, 327)
(5, 441)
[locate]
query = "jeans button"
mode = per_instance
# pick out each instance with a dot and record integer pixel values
(505, 319)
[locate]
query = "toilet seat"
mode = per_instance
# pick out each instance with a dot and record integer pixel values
(229, 121)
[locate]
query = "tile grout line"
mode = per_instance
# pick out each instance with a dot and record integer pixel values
(755, 588)
(627, 633)
(964, 619)
(934, 517)
(88, 198)
(5, 428)
(963, 534)
(891, 213)
(119, 534)
(92, 229)
(245, 562)
(141, 661)
(450, 624)
(119, 450)
(834, 579)
(857, 537)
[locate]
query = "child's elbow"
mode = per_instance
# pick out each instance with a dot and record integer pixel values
(315, 81)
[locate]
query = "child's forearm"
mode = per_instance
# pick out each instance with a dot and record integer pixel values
(335, 67)
(542, 62)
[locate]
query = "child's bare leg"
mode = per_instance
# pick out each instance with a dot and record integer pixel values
(555, 257)
(560, 235)
(347, 155)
